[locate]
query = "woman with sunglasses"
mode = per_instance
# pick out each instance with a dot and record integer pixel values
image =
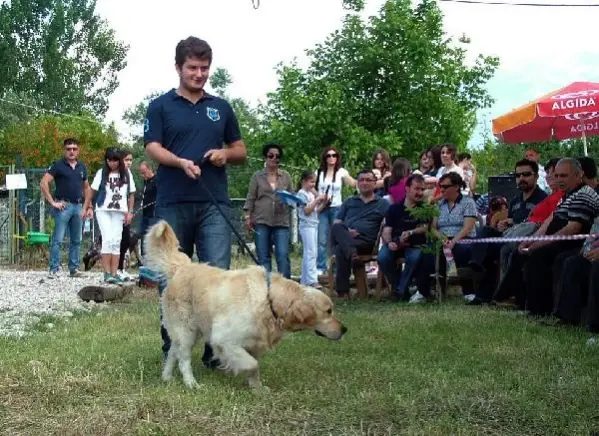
(330, 178)
(456, 221)
(113, 189)
(266, 214)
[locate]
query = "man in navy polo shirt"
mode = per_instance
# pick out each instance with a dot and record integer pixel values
(71, 192)
(181, 127)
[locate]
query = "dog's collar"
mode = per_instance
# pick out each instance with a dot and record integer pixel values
(268, 284)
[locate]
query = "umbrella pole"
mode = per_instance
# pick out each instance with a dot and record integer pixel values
(584, 143)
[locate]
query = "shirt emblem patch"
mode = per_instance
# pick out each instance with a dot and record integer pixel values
(213, 114)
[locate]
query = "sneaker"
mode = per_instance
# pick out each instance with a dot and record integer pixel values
(53, 274)
(76, 273)
(108, 278)
(123, 275)
(118, 280)
(417, 298)
(469, 297)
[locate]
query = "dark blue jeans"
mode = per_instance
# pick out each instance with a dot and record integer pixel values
(69, 217)
(266, 236)
(200, 225)
(146, 223)
(417, 265)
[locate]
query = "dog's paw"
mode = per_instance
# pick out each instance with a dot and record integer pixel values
(260, 390)
(191, 384)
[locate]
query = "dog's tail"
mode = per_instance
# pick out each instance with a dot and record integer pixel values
(162, 250)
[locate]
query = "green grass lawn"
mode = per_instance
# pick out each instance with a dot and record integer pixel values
(435, 369)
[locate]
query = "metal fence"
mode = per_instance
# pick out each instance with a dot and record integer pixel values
(27, 210)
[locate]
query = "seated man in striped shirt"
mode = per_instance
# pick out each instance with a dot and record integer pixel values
(528, 275)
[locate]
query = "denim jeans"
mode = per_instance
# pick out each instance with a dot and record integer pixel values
(399, 280)
(146, 223)
(309, 234)
(69, 217)
(202, 225)
(325, 221)
(266, 236)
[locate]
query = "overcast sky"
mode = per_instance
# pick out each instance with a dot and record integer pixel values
(540, 49)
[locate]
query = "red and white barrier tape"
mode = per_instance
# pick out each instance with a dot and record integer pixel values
(501, 240)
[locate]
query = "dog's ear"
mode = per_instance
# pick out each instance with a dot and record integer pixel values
(301, 313)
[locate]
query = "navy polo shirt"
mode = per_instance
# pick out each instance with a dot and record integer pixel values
(68, 181)
(188, 131)
(520, 209)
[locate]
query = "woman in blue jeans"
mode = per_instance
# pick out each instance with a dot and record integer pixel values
(266, 214)
(330, 178)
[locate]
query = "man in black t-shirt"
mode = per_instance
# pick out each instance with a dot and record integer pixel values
(403, 236)
(148, 202)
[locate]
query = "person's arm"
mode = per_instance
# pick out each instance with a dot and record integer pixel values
(236, 151)
(87, 210)
(469, 223)
(250, 199)
(45, 187)
(341, 214)
(387, 234)
(154, 140)
(349, 180)
(473, 181)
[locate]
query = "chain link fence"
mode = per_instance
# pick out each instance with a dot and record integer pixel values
(26, 210)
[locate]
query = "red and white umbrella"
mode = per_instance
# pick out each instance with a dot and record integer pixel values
(569, 112)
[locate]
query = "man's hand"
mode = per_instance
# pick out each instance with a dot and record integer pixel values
(87, 213)
(449, 243)
(60, 205)
(353, 232)
(191, 169)
(218, 158)
(592, 255)
(392, 246)
(404, 236)
(128, 218)
(524, 246)
(502, 225)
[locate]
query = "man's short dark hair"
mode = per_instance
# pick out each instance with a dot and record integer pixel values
(464, 156)
(589, 167)
(70, 141)
(552, 163)
(528, 163)
(192, 47)
(418, 178)
(367, 171)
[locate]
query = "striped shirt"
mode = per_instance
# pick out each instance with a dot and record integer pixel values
(580, 205)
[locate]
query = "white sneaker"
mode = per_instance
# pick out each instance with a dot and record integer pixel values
(53, 274)
(123, 275)
(417, 298)
(469, 297)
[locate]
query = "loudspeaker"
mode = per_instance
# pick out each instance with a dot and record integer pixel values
(504, 186)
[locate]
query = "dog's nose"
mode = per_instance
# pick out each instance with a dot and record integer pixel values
(343, 329)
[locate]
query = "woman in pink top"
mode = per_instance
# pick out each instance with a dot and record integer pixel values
(397, 181)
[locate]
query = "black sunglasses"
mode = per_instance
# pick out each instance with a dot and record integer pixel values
(273, 156)
(524, 174)
(332, 155)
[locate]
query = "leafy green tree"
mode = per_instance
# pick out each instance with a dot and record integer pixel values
(394, 81)
(60, 52)
(39, 141)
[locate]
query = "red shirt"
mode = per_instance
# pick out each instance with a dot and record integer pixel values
(545, 208)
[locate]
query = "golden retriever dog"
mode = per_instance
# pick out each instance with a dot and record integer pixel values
(238, 312)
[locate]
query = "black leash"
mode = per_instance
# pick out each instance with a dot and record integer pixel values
(199, 163)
